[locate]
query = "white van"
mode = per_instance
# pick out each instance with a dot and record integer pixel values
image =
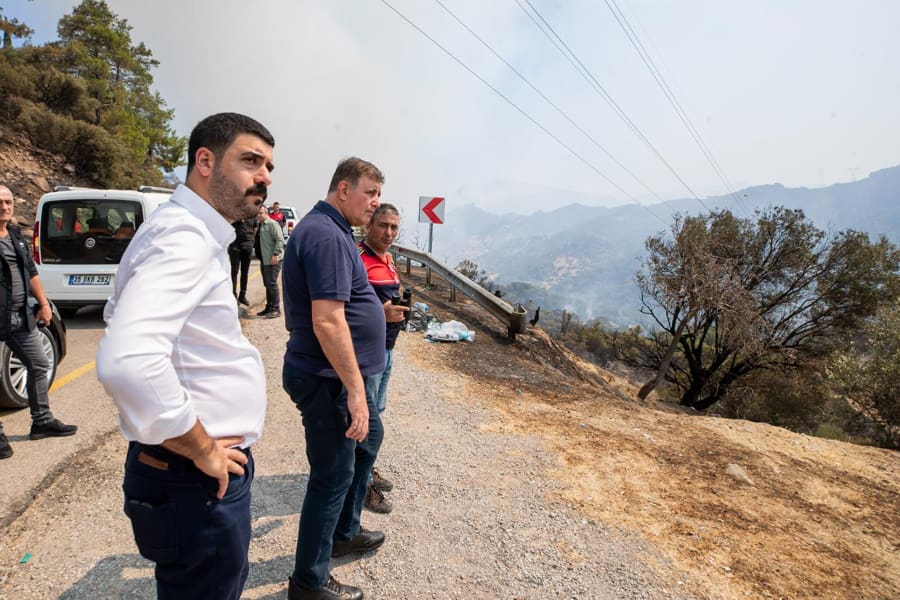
(80, 235)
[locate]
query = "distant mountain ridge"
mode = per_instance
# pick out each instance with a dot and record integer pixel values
(583, 258)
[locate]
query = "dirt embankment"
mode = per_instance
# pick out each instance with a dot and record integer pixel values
(31, 172)
(748, 509)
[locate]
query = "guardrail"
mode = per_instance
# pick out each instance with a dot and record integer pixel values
(515, 318)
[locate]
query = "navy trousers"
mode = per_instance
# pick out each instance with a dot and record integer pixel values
(198, 542)
(338, 471)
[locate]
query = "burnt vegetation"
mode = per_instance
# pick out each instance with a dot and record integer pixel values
(766, 318)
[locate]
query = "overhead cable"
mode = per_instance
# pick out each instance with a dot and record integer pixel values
(548, 101)
(592, 81)
(670, 96)
(515, 106)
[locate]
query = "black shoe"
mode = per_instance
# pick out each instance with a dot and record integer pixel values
(242, 299)
(52, 428)
(332, 591)
(376, 502)
(379, 482)
(273, 314)
(5, 449)
(364, 541)
(263, 312)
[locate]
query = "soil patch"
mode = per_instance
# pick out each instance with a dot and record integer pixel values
(750, 510)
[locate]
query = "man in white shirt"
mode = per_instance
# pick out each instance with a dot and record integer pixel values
(189, 387)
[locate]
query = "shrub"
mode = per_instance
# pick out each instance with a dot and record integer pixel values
(96, 153)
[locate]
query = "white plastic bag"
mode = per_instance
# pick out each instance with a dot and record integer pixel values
(451, 331)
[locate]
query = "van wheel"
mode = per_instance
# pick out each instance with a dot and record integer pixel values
(14, 375)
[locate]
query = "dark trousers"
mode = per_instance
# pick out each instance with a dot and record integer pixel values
(338, 471)
(27, 347)
(240, 259)
(270, 280)
(198, 542)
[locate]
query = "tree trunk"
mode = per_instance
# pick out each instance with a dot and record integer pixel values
(667, 359)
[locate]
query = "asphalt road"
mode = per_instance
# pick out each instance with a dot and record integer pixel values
(76, 397)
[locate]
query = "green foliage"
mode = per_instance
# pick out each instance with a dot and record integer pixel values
(793, 400)
(742, 295)
(12, 28)
(869, 374)
(91, 149)
(92, 86)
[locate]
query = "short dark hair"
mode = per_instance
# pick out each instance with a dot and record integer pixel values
(351, 169)
(218, 131)
(385, 207)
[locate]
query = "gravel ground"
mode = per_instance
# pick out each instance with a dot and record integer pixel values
(473, 511)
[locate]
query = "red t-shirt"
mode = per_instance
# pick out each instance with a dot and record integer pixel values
(385, 281)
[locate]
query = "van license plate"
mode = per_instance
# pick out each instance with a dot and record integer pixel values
(89, 279)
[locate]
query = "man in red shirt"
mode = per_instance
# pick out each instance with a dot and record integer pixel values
(276, 215)
(373, 250)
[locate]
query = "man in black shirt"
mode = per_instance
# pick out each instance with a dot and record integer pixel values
(240, 251)
(18, 326)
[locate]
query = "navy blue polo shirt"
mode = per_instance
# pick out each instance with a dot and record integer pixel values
(321, 262)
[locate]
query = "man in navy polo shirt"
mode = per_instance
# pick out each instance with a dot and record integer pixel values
(337, 340)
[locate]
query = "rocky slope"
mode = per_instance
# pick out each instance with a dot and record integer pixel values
(31, 172)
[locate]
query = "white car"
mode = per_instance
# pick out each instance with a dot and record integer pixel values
(291, 218)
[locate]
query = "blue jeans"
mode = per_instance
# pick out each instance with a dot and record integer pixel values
(26, 345)
(338, 471)
(198, 542)
(376, 385)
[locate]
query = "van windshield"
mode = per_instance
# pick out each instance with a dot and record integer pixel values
(86, 231)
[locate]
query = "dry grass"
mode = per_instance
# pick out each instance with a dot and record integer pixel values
(813, 518)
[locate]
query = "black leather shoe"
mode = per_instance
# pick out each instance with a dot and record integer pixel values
(364, 541)
(242, 299)
(52, 428)
(263, 312)
(273, 314)
(5, 449)
(332, 591)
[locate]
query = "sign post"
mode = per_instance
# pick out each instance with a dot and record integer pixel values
(431, 211)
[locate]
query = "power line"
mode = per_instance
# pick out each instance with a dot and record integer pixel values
(547, 100)
(514, 105)
(670, 96)
(592, 81)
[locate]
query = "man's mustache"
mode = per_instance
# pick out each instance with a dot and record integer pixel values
(258, 190)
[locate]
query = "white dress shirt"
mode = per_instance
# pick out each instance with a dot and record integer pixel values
(173, 351)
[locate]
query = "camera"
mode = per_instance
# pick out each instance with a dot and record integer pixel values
(405, 300)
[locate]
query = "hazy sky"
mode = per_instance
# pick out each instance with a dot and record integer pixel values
(801, 92)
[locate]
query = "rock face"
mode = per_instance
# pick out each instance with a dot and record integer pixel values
(31, 172)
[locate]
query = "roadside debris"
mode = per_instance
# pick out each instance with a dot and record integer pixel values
(451, 331)
(420, 319)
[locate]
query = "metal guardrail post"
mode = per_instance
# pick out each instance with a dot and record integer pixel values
(515, 318)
